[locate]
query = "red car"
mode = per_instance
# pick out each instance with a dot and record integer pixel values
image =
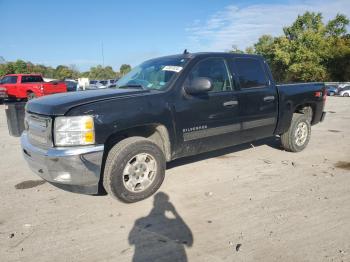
(29, 86)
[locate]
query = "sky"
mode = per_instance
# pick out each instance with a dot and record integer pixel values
(73, 32)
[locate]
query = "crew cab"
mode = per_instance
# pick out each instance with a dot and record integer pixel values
(29, 86)
(120, 139)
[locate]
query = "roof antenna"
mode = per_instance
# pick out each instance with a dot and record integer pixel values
(186, 52)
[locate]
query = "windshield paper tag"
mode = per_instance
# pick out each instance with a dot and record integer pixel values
(176, 69)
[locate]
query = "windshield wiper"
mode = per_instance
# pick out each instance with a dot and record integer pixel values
(133, 86)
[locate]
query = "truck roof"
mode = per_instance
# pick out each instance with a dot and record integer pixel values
(204, 54)
(23, 75)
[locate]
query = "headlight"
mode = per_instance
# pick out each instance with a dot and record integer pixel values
(74, 131)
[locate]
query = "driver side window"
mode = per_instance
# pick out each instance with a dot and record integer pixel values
(216, 70)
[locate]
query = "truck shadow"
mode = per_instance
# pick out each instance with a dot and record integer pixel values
(158, 237)
(273, 142)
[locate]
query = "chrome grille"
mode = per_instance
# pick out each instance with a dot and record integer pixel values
(39, 130)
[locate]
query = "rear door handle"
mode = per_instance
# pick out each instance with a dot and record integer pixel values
(269, 98)
(230, 103)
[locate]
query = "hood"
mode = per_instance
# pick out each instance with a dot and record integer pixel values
(59, 104)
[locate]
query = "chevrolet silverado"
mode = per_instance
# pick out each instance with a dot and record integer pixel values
(119, 139)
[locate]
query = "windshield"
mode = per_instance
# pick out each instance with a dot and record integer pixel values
(153, 74)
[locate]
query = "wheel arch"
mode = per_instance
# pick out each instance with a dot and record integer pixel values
(307, 109)
(302, 108)
(158, 133)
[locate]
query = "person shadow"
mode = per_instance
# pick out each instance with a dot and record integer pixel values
(162, 235)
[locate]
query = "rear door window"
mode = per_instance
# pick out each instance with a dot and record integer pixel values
(31, 79)
(250, 73)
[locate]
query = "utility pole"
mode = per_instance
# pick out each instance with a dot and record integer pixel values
(103, 56)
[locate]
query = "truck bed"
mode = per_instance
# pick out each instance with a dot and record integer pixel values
(293, 95)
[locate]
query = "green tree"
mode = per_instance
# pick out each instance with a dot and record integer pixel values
(339, 63)
(124, 69)
(309, 50)
(276, 51)
(309, 21)
(250, 50)
(64, 72)
(85, 74)
(100, 72)
(337, 26)
(45, 71)
(7, 68)
(21, 67)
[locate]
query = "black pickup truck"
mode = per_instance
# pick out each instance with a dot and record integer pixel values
(120, 139)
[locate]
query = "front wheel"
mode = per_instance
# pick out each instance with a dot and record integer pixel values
(134, 169)
(298, 135)
(346, 94)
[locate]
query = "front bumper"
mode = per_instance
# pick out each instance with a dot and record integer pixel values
(75, 169)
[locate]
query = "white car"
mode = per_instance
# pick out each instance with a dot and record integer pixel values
(345, 91)
(95, 84)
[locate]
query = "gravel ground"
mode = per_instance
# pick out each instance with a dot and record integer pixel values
(253, 202)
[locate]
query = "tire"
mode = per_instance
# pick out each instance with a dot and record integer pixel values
(298, 135)
(30, 96)
(346, 94)
(124, 168)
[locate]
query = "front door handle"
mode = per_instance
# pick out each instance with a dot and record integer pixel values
(230, 103)
(269, 98)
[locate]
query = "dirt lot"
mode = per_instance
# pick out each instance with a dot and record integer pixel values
(247, 203)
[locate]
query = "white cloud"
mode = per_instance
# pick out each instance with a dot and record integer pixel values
(243, 26)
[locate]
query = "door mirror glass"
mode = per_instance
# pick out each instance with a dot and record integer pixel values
(199, 85)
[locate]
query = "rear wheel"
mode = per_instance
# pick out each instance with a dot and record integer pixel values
(134, 169)
(298, 135)
(346, 94)
(30, 96)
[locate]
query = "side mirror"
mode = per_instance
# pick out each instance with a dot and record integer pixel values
(199, 85)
